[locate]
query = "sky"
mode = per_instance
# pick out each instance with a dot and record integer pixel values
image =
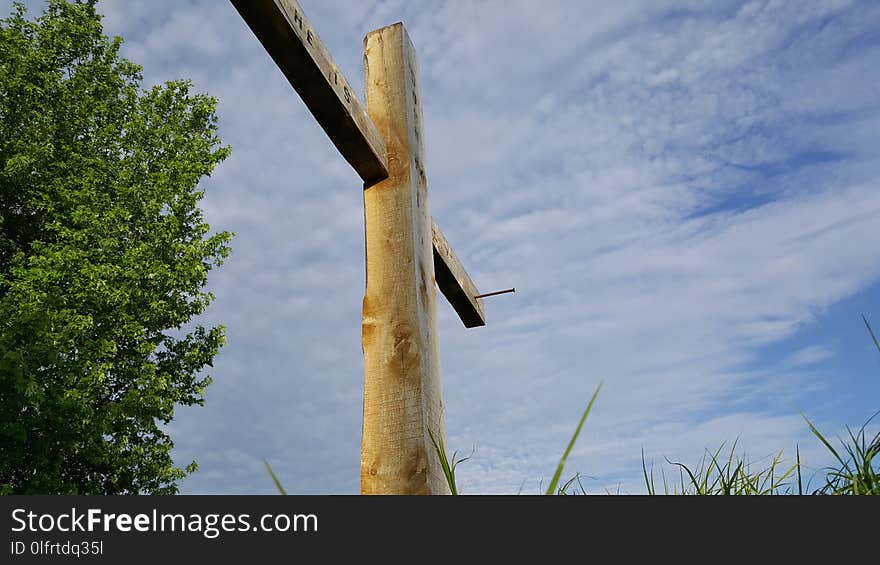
(684, 194)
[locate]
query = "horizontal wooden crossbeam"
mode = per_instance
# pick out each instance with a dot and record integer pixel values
(454, 282)
(288, 37)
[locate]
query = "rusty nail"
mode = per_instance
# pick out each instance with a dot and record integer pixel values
(494, 293)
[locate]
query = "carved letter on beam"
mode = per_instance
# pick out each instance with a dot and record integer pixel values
(287, 36)
(454, 282)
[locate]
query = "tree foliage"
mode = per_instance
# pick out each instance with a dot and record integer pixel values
(104, 254)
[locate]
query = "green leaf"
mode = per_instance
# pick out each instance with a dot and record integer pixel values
(274, 478)
(551, 489)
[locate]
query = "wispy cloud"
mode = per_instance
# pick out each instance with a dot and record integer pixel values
(671, 187)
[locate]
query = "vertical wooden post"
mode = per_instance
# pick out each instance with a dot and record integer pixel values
(402, 388)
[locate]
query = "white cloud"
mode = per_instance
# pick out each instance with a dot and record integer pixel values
(670, 187)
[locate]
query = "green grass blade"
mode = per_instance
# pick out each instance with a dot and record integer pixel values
(649, 483)
(698, 489)
(870, 331)
(552, 488)
(274, 478)
(583, 490)
(823, 440)
(448, 470)
(564, 488)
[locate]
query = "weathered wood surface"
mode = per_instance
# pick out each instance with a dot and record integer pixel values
(407, 254)
(288, 37)
(402, 388)
(454, 282)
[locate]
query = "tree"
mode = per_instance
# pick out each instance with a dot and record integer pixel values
(104, 254)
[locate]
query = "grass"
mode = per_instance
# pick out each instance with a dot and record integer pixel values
(274, 478)
(854, 473)
(730, 475)
(551, 488)
(447, 464)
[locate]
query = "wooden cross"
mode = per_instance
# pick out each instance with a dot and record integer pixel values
(406, 253)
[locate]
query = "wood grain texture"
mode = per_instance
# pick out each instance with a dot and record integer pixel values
(402, 388)
(286, 34)
(288, 37)
(454, 282)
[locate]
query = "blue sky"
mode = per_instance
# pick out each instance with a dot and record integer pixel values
(684, 195)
